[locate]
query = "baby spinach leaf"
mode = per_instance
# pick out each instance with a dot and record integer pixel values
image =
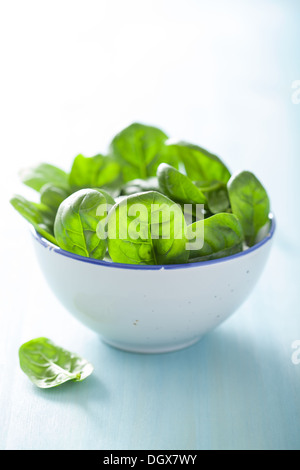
(90, 172)
(250, 203)
(140, 185)
(216, 194)
(78, 222)
(48, 365)
(193, 212)
(222, 236)
(147, 228)
(36, 177)
(200, 165)
(217, 199)
(109, 199)
(38, 215)
(52, 196)
(178, 186)
(139, 149)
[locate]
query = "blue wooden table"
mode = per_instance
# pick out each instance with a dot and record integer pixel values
(239, 387)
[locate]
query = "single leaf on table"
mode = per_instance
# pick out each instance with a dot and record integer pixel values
(200, 165)
(178, 186)
(250, 203)
(91, 172)
(139, 149)
(36, 177)
(48, 365)
(39, 215)
(78, 223)
(222, 236)
(147, 228)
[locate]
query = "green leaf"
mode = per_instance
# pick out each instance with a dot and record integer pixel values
(218, 200)
(193, 212)
(250, 203)
(216, 194)
(139, 149)
(48, 365)
(52, 196)
(36, 177)
(177, 186)
(39, 215)
(221, 234)
(139, 186)
(147, 228)
(78, 223)
(109, 199)
(200, 165)
(91, 172)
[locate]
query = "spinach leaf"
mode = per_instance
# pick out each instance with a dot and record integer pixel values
(193, 212)
(217, 196)
(78, 223)
(218, 200)
(139, 149)
(147, 228)
(250, 203)
(38, 215)
(200, 165)
(52, 196)
(90, 172)
(36, 177)
(178, 186)
(109, 199)
(222, 236)
(140, 185)
(48, 365)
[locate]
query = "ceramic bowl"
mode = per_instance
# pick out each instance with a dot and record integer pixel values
(152, 309)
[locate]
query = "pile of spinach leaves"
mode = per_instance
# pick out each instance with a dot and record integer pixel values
(144, 166)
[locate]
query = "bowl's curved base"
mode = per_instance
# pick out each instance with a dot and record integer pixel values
(155, 349)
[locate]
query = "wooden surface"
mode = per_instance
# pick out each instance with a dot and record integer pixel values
(237, 388)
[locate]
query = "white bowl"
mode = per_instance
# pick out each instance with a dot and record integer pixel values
(151, 309)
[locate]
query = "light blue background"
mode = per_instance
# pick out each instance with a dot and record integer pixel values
(216, 73)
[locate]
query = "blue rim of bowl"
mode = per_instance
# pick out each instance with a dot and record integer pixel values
(111, 264)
